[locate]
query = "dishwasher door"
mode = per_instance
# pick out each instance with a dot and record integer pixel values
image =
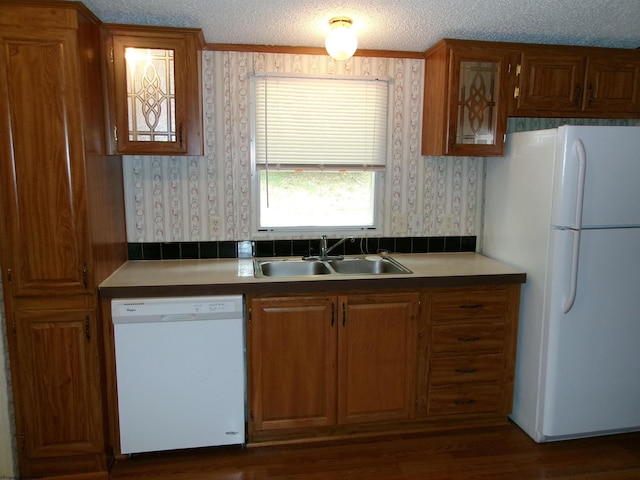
(180, 368)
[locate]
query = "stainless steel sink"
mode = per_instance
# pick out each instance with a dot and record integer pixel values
(290, 268)
(346, 266)
(367, 266)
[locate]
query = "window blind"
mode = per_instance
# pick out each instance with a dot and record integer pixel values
(320, 123)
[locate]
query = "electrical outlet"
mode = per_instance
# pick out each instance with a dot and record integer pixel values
(449, 220)
(215, 226)
(416, 223)
(400, 223)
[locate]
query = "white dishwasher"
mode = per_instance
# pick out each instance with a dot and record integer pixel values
(180, 372)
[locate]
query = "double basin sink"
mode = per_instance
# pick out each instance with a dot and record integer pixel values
(368, 265)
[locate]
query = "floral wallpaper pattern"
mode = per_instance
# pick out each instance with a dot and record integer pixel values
(209, 198)
(171, 199)
(7, 433)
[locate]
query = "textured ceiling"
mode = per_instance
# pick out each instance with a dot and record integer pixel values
(410, 25)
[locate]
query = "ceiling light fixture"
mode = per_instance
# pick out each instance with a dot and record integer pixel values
(341, 41)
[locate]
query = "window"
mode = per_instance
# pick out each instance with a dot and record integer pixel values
(320, 147)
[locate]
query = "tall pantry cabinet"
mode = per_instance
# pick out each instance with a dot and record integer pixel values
(61, 231)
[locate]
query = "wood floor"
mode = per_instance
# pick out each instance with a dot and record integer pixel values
(492, 454)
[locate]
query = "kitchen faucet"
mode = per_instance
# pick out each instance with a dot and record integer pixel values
(324, 251)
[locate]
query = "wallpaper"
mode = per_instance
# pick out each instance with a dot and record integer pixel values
(172, 199)
(183, 199)
(7, 436)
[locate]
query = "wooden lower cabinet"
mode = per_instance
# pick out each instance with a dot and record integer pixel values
(59, 405)
(361, 363)
(293, 362)
(320, 362)
(471, 354)
(376, 357)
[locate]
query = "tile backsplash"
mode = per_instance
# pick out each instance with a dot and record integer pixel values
(285, 248)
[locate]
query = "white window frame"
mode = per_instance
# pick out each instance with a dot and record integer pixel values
(379, 170)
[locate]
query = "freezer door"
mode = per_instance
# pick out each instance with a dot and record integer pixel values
(611, 166)
(591, 366)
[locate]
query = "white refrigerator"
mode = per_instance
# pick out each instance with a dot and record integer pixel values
(563, 205)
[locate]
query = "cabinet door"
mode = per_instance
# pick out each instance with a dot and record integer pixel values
(155, 107)
(477, 111)
(293, 362)
(42, 193)
(465, 103)
(613, 85)
(58, 393)
(377, 357)
(550, 82)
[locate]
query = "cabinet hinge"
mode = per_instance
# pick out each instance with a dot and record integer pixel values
(251, 414)
(249, 315)
(85, 275)
(518, 70)
(9, 276)
(111, 55)
(516, 92)
(87, 328)
(115, 133)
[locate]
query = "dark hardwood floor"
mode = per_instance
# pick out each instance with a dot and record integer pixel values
(491, 454)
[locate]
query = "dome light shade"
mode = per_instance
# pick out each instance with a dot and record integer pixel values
(341, 41)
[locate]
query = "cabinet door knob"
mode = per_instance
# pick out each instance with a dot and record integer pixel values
(578, 94)
(344, 314)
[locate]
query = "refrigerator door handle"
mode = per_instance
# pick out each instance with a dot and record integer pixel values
(573, 278)
(582, 175)
(577, 221)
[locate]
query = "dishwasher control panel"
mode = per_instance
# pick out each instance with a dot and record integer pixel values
(136, 310)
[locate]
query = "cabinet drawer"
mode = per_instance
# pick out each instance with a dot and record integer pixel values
(481, 303)
(468, 338)
(464, 369)
(464, 399)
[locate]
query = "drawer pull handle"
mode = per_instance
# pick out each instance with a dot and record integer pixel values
(466, 371)
(471, 307)
(464, 402)
(468, 339)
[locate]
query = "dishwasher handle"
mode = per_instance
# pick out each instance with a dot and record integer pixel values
(178, 317)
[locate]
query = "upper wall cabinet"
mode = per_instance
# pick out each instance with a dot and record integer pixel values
(465, 112)
(556, 81)
(154, 90)
(470, 88)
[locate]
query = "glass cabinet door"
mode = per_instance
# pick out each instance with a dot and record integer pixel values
(477, 103)
(477, 118)
(155, 99)
(151, 95)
